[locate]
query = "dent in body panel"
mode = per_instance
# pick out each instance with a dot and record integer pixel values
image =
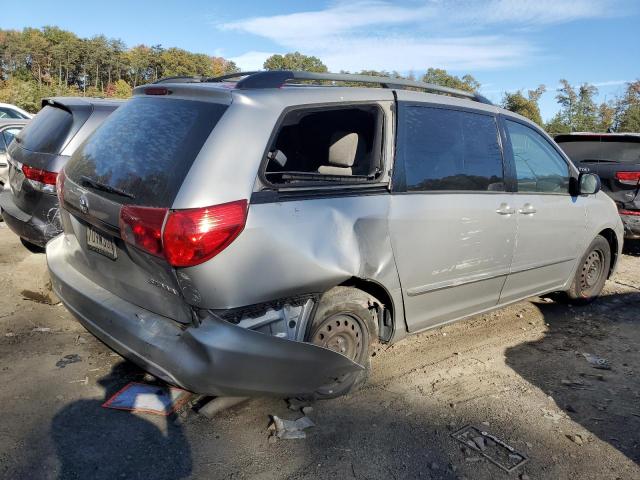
(300, 247)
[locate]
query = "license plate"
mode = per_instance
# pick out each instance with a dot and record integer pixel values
(101, 244)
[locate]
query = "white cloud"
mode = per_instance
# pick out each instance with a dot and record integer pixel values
(252, 60)
(381, 35)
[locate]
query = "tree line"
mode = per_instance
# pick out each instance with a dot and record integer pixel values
(37, 63)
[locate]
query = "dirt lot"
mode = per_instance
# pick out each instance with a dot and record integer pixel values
(519, 373)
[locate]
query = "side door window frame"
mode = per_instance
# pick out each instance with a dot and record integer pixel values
(509, 156)
(398, 179)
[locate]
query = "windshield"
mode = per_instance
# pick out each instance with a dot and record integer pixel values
(48, 131)
(609, 150)
(145, 149)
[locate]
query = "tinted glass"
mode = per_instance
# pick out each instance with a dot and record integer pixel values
(9, 113)
(146, 148)
(47, 132)
(9, 134)
(450, 150)
(539, 167)
(610, 150)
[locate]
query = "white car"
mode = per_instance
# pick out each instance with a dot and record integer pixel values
(8, 111)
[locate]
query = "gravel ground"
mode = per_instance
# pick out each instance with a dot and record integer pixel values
(518, 373)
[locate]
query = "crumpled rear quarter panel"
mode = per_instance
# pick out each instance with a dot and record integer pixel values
(296, 247)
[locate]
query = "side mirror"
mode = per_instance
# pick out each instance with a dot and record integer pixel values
(588, 184)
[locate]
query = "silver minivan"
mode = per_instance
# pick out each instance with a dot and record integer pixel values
(257, 233)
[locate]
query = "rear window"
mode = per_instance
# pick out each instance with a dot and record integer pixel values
(145, 148)
(48, 131)
(607, 150)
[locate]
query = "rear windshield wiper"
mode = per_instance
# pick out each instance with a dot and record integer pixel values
(599, 160)
(105, 188)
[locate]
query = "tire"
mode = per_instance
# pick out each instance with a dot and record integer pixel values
(345, 322)
(592, 272)
(32, 247)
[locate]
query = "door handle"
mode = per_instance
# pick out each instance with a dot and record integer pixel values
(505, 209)
(527, 209)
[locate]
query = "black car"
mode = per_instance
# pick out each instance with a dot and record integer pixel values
(30, 206)
(615, 157)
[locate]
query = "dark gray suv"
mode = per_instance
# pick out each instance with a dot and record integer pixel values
(30, 207)
(259, 236)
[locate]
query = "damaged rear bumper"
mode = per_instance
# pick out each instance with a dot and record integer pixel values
(33, 229)
(631, 222)
(216, 358)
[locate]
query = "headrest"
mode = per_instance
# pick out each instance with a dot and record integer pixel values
(342, 152)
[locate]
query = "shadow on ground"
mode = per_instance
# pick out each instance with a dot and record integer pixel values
(606, 402)
(98, 443)
(631, 247)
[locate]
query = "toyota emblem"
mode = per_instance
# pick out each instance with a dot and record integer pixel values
(84, 204)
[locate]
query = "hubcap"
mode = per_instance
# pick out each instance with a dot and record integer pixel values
(592, 270)
(340, 333)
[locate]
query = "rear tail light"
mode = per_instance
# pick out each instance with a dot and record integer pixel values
(629, 212)
(142, 227)
(185, 238)
(40, 180)
(628, 178)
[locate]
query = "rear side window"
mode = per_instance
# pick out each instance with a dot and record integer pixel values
(9, 113)
(48, 131)
(8, 135)
(449, 150)
(539, 167)
(145, 148)
(327, 145)
(606, 150)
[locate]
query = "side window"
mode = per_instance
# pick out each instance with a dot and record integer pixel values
(8, 113)
(450, 150)
(539, 168)
(9, 134)
(327, 145)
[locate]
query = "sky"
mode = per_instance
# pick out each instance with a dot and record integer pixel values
(506, 45)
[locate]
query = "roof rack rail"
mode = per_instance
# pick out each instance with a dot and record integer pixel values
(181, 79)
(277, 78)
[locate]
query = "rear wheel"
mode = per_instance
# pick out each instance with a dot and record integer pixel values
(345, 323)
(592, 272)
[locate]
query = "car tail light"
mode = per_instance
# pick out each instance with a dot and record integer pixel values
(156, 91)
(628, 178)
(196, 235)
(184, 237)
(629, 212)
(142, 227)
(41, 180)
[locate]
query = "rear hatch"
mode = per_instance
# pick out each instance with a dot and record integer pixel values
(35, 156)
(614, 157)
(135, 163)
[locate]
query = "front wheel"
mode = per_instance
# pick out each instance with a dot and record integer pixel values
(592, 272)
(345, 323)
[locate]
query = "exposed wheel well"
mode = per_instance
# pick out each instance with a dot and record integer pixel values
(382, 295)
(611, 237)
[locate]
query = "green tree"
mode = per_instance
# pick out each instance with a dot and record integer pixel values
(122, 89)
(440, 77)
(525, 106)
(294, 61)
(627, 117)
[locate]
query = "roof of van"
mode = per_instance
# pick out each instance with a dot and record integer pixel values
(82, 101)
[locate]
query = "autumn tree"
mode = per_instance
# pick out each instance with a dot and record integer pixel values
(525, 106)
